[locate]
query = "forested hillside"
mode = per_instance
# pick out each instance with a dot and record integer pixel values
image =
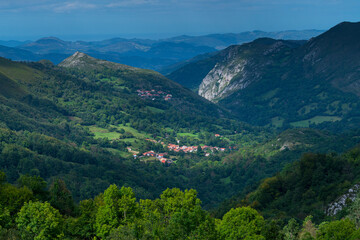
(284, 84)
(85, 123)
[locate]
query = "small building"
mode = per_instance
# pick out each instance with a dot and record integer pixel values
(149, 154)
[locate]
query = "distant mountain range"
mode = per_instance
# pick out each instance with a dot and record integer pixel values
(144, 53)
(283, 82)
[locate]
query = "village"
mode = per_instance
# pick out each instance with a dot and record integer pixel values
(154, 95)
(163, 157)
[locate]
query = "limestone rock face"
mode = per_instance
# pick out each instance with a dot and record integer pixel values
(238, 68)
(217, 83)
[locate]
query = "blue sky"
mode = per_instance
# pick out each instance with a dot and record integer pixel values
(100, 19)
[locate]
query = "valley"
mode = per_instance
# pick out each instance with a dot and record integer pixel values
(266, 129)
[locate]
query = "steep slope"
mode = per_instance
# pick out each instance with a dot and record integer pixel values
(308, 186)
(334, 56)
(243, 65)
(191, 75)
(309, 86)
(135, 79)
(285, 82)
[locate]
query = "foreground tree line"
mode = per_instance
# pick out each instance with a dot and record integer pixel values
(29, 210)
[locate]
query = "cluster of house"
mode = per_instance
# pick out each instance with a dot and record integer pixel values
(191, 149)
(153, 94)
(159, 156)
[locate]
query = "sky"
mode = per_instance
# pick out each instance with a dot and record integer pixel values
(101, 19)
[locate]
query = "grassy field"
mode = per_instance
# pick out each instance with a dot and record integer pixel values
(111, 135)
(131, 130)
(103, 133)
(315, 120)
(308, 108)
(122, 154)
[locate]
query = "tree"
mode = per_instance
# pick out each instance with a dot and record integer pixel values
(13, 198)
(291, 230)
(2, 178)
(40, 221)
(272, 230)
(36, 184)
(336, 230)
(309, 230)
(354, 211)
(83, 227)
(119, 208)
(5, 218)
(61, 198)
(241, 223)
(174, 200)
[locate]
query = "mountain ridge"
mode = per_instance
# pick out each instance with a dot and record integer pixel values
(254, 80)
(143, 53)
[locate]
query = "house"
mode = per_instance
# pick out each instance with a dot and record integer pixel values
(149, 154)
(161, 155)
(217, 135)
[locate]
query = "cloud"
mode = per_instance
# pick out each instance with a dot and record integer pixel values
(129, 3)
(65, 6)
(45, 5)
(71, 6)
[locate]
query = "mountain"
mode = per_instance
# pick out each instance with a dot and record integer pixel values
(136, 52)
(242, 65)
(221, 41)
(77, 121)
(192, 75)
(18, 54)
(143, 53)
(136, 79)
(13, 43)
(82, 61)
(284, 83)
